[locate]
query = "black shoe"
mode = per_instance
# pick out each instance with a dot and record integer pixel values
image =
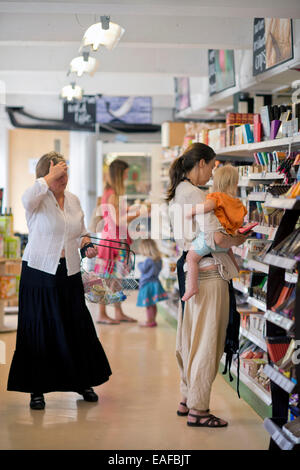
(37, 401)
(89, 395)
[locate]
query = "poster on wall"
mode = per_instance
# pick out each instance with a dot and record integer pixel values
(221, 72)
(82, 112)
(272, 43)
(182, 93)
(127, 109)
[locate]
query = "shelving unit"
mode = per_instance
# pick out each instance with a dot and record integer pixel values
(5, 328)
(254, 338)
(265, 146)
(279, 320)
(257, 303)
(260, 392)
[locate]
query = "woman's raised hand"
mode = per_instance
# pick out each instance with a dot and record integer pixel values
(56, 171)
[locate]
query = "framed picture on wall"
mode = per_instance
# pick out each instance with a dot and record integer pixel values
(221, 70)
(272, 43)
(182, 93)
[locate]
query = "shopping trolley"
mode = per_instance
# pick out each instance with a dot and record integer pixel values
(109, 279)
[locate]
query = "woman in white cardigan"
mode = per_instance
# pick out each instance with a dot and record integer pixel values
(57, 346)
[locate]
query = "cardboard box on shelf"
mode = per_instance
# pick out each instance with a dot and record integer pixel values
(172, 134)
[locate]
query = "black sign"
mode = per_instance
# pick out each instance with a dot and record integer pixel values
(81, 112)
(212, 71)
(259, 46)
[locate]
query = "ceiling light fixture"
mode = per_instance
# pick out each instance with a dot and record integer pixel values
(72, 92)
(83, 64)
(104, 33)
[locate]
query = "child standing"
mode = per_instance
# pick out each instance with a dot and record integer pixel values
(226, 213)
(150, 288)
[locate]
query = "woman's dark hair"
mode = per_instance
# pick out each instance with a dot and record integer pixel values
(185, 163)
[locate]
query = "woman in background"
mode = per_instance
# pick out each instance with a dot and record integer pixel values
(115, 221)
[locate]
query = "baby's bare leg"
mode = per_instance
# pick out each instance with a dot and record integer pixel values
(193, 260)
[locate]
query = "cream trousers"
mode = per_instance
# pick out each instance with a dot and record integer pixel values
(201, 337)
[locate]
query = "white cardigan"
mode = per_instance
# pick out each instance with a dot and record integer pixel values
(51, 229)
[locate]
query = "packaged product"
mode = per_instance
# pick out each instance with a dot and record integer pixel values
(12, 247)
(1, 246)
(5, 225)
(8, 286)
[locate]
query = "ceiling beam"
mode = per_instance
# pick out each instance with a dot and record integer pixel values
(215, 8)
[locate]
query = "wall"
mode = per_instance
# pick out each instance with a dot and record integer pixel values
(4, 160)
(26, 144)
(152, 149)
(82, 181)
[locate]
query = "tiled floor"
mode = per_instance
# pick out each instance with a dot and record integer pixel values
(137, 407)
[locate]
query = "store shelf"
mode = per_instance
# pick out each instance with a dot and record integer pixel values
(257, 196)
(239, 251)
(257, 303)
(278, 378)
(248, 149)
(251, 384)
(265, 176)
(292, 278)
(258, 266)
(254, 338)
(282, 203)
(278, 320)
(240, 286)
(278, 435)
(264, 230)
(279, 261)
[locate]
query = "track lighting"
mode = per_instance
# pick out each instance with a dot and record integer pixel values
(84, 64)
(105, 33)
(72, 92)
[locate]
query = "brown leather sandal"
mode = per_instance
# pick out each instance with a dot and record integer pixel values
(211, 421)
(185, 413)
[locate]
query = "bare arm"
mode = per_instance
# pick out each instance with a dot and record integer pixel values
(204, 208)
(232, 257)
(228, 241)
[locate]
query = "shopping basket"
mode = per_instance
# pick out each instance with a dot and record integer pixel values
(109, 279)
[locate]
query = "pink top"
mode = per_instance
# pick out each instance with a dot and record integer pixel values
(110, 231)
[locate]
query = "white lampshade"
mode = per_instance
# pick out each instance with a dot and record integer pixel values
(71, 92)
(95, 36)
(80, 66)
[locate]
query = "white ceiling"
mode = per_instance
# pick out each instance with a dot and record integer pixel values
(163, 39)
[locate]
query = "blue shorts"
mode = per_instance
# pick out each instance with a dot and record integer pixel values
(201, 248)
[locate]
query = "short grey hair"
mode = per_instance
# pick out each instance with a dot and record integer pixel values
(43, 165)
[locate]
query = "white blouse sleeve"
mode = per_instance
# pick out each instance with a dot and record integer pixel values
(35, 194)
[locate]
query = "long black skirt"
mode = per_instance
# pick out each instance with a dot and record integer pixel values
(57, 347)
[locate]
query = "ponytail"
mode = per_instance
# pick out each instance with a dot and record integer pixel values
(176, 174)
(185, 163)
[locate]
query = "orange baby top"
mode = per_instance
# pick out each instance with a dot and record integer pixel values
(229, 210)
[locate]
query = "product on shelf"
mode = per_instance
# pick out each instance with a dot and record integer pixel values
(289, 247)
(9, 286)
(277, 347)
